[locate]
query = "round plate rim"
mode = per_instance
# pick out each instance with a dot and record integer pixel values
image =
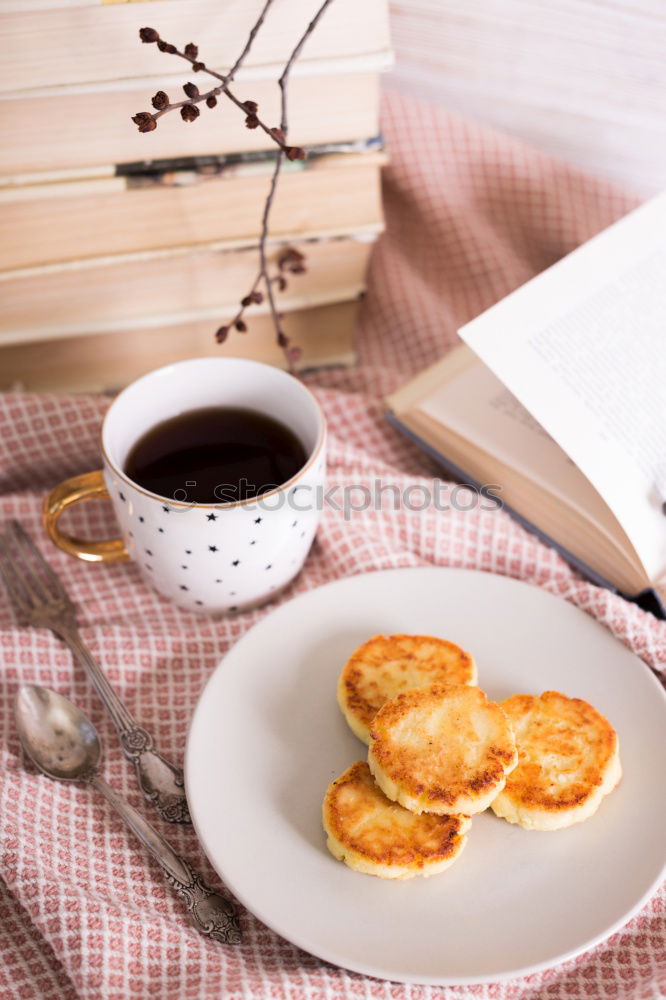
(329, 955)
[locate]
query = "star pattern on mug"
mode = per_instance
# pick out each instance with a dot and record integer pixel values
(197, 572)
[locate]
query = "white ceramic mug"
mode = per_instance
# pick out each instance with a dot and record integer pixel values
(205, 557)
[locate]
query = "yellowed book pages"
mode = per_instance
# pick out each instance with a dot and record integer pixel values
(95, 42)
(109, 361)
(103, 296)
(42, 224)
(90, 129)
(86, 130)
(462, 411)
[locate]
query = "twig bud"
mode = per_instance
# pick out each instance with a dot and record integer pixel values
(295, 153)
(291, 260)
(189, 112)
(222, 334)
(278, 135)
(251, 107)
(160, 101)
(251, 121)
(148, 35)
(191, 89)
(191, 50)
(198, 66)
(211, 101)
(144, 121)
(282, 338)
(241, 326)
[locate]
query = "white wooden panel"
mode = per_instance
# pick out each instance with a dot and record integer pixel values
(582, 79)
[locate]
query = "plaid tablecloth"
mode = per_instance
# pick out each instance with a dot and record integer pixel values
(83, 911)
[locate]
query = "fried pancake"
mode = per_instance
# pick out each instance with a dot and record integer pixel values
(386, 665)
(568, 759)
(444, 750)
(378, 837)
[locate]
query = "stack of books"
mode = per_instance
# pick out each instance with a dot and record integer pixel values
(122, 251)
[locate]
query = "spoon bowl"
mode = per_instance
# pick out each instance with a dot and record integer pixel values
(56, 735)
(64, 745)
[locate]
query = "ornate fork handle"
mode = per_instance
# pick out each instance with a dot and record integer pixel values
(161, 782)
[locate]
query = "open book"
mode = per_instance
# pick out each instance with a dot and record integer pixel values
(558, 395)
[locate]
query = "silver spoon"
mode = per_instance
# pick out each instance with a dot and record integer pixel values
(65, 745)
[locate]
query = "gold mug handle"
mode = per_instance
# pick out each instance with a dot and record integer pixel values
(89, 486)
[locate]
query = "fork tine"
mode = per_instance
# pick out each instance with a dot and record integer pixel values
(26, 545)
(11, 583)
(24, 565)
(31, 597)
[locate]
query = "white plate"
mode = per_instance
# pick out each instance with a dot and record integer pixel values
(267, 737)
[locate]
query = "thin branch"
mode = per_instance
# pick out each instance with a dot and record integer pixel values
(248, 45)
(291, 260)
(292, 152)
(292, 59)
(263, 262)
(146, 120)
(282, 340)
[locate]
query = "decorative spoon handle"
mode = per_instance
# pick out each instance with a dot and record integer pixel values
(211, 914)
(161, 782)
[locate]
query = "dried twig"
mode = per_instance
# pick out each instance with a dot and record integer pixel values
(289, 260)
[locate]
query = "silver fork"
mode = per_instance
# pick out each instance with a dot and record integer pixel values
(41, 597)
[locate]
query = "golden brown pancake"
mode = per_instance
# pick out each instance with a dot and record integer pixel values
(444, 750)
(378, 837)
(568, 759)
(386, 665)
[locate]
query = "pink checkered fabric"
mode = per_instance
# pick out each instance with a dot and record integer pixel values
(84, 912)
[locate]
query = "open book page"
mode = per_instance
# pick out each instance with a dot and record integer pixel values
(478, 407)
(583, 347)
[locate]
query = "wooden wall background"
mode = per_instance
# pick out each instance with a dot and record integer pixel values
(582, 79)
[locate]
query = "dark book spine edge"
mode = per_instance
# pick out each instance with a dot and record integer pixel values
(647, 599)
